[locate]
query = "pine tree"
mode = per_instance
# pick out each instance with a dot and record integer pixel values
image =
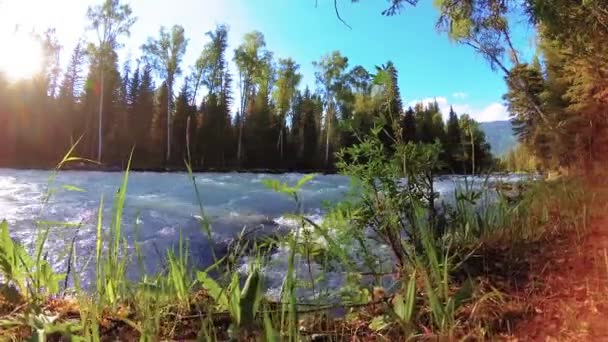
(159, 126)
(184, 111)
(424, 123)
(215, 131)
(69, 93)
(311, 112)
(260, 131)
(453, 143)
(225, 103)
(121, 137)
(408, 126)
(133, 91)
(143, 113)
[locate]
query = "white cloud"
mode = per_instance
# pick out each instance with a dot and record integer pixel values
(493, 112)
(441, 100)
(460, 95)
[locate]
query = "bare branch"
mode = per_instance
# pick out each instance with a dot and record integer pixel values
(338, 15)
(486, 53)
(513, 51)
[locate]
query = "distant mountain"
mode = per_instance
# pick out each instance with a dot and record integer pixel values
(499, 134)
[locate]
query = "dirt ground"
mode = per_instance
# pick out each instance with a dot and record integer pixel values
(567, 292)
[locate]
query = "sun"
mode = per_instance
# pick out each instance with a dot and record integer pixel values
(21, 57)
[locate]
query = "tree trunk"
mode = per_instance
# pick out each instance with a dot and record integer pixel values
(472, 150)
(328, 128)
(168, 157)
(280, 145)
(239, 151)
(100, 130)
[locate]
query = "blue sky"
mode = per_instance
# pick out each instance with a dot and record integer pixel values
(429, 65)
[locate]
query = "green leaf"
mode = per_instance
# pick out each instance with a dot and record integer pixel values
(379, 323)
(215, 291)
(277, 186)
(399, 306)
(251, 297)
(404, 306)
(304, 180)
(382, 77)
(73, 188)
(270, 335)
(437, 309)
(235, 299)
(75, 159)
(59, 224)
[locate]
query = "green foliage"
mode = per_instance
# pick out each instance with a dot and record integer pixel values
(164, 55)
(453, 141)
(110, 20)
(242, 304)
(288, 79)
(15, 263)
(211, 138)
(519, 160)
(284, 188)
(178, 274)
(405, 304)
(330, 75)
(184, 113)
(42, 326)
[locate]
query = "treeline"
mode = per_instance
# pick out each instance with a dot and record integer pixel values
(558, 100)
(268, 123)
(519, 159)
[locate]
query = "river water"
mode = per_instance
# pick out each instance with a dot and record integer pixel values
(161, 207)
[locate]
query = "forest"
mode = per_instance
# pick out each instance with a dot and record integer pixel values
(260, 118)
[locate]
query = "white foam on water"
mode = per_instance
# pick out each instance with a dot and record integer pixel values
(160, 206)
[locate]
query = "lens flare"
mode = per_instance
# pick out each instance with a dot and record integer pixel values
(21, 57)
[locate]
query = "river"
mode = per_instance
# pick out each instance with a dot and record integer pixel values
(161, 207)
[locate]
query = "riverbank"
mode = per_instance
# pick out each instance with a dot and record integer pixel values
(173, 169)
